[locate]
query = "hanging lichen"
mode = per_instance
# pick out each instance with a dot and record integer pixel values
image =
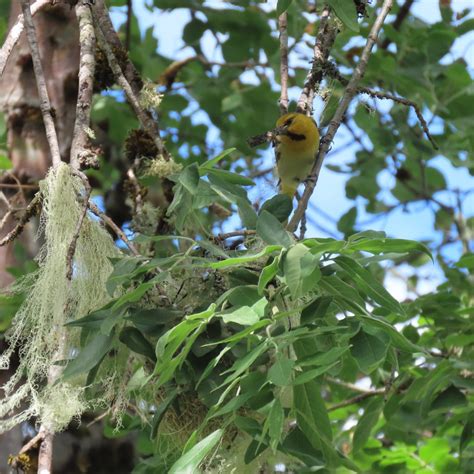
(51, 301)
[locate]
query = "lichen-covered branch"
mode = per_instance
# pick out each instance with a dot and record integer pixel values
(86, 85)
(45, 104)
(282, 26)
(30, 211)
(145, 119)
(349, 93)
(15, 33)
(324, 41)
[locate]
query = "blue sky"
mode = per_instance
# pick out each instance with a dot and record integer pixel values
(415, 223)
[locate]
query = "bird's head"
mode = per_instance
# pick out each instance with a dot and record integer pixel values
(297, 129)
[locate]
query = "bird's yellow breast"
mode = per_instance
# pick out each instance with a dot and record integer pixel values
(296, 150)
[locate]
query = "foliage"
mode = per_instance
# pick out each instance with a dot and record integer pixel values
(263, 348)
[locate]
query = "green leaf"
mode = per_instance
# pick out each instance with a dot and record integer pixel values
(137, 342)
(282, 6)
(301, 270)
(276, 419)
(137, 293)
(281, 371)
(242, 364)
(5, 163)
(466, 261)
(89, 356)
(210, 164)
(467, 433)
(243, 315)
(309, 375)
(267, 274)
(365, 281)
(324, 358)
(367, 421)
(369, 350)
(316, 310)
(232, 178)
(279, 206)
(449, 399)
(398, 339)
(189, 462)
(312, 418)
(189, 178)
(296, 444)
(346, 12)
(385, 245)
(271, 231)
(160, 412)
(254, 449)
(245, 258)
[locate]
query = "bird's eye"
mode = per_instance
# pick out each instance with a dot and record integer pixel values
(288, 122)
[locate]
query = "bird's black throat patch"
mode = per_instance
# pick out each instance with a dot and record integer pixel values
(296, 136)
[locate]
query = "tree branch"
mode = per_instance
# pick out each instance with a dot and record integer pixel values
(45, 455)
(332, 70)
(108, 221)
(30, 211)
(235, 233)
(15, 33)
(357, 399)
(282, 26)
(128, 25)
(349, 93)
(324, 41)
(145, 119)
(45, 104)
(400, 18)
(79, 146)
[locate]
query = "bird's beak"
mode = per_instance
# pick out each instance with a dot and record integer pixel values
(279, 131)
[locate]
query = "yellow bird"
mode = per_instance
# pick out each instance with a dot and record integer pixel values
(296, 149)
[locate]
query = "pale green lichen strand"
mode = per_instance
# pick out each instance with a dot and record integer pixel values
(51, 301)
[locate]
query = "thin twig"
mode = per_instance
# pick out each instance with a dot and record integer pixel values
(235, 233)
(324, 41)
(400, 18)
(357, 399)
(101, 15)
(137, 191)
(30, 211)
(72, 246)
(270, 136)
(401, 100)
(145, 119)
(349, 93)
(128, 25)
(168, 77)
(45, 455)
(15, 33)
(45, 104)
(86, 84)
(282, 26)
(332, 70)
(106, 31)
(118, 231)
(18, 186)
(38, 438)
